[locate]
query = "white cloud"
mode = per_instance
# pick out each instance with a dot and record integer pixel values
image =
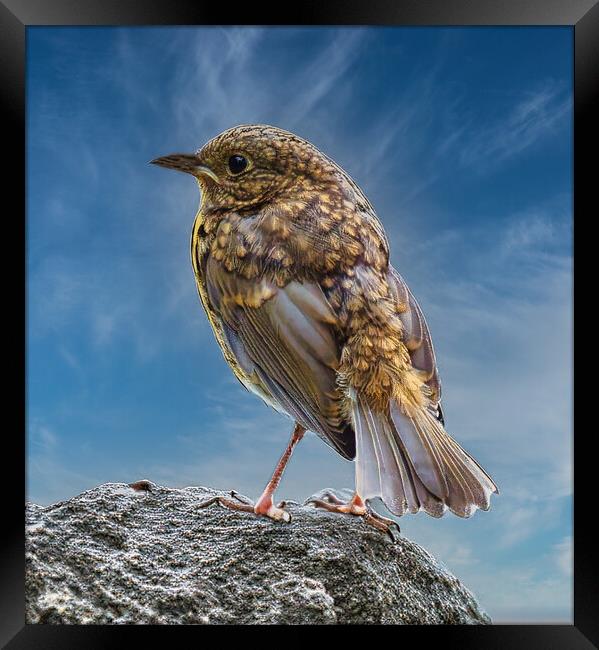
(537, 114)
(564, 555)
(322, 75)
(43, 437)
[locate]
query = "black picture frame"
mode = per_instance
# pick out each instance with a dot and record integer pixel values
(17, 15)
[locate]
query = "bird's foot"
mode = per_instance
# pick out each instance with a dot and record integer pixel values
(263, 507)
(358, 508)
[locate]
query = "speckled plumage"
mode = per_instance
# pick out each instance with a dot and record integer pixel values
(292, 267)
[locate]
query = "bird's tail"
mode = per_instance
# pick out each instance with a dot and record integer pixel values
(413, 464)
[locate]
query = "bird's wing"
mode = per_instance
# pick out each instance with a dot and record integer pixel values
(417, 337)
(285, 341)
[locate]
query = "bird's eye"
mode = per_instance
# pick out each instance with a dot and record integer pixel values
(237, 164)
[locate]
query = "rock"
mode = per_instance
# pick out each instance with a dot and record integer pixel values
(148, 554)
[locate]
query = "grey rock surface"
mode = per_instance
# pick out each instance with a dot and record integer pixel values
(118, 555)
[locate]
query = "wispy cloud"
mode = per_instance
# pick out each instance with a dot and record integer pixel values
(50, 477)
(564, 555)
(322, 76)
(537, 114)
(521, 522)
(41, 437)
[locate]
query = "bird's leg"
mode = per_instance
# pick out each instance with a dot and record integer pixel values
(265, 506)
(357, 507)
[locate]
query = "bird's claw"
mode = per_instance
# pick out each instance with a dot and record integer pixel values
(332, 503)
(388, 526)
(240, 497)
(264, 507)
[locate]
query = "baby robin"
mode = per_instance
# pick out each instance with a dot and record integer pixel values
(292, 268)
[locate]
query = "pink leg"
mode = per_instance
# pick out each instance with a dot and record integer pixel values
(265, 506)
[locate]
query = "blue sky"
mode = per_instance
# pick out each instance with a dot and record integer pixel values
(460, 137)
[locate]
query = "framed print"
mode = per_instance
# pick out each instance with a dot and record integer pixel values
(249, 234)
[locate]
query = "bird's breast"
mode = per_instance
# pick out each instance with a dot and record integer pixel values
(313, 236)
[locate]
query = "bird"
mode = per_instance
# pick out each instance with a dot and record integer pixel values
(292, 268)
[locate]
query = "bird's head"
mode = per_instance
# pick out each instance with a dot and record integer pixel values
(250, 165)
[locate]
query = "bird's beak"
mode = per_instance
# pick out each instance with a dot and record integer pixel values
(185, 162)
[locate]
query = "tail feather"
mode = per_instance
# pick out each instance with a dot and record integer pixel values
(422, 451)
(393, 474)
(476, 483)
(413, 464)
(382, 469)
(368, 476)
